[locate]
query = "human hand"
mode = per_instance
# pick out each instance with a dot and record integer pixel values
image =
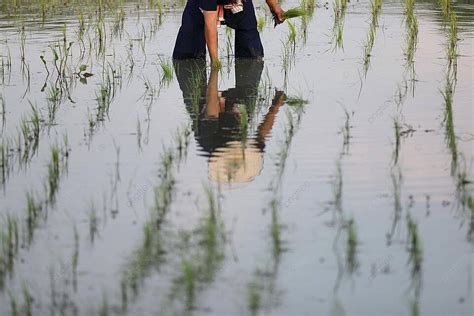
(277, 12)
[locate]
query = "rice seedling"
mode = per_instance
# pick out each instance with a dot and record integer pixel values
(292, 36)
(275, 231)
(53, 174)
(4, 159)
(163, 193)
(166, 71)
(3, 109)
(104, 307)
(396, 177)
(368, 45)
(337, 188)
(93, 223)
(294, 13)
(470, 232)
(414, 245)
(104, 98)
(260, 23)
(27, 301)
(339, 7)
(448, 121)
(9, 246)
(396, 150)
(411, 38)
(253, 298)
(212, 239)
(351, 248)
(189, 282)
(32, 212)
(346, 132)
(452, 38)
(75, 258)
(13, 305)
(118, 23)
(53, 101)
(181, 139)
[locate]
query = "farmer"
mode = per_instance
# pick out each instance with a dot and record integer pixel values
(199, 27)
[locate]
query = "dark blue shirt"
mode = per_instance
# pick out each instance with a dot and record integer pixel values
(211, 5)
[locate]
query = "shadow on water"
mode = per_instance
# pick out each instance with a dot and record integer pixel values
(222, 119)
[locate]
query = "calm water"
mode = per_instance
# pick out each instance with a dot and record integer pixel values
(118, 236)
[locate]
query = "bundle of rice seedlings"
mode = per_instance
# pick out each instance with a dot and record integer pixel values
(291, 13)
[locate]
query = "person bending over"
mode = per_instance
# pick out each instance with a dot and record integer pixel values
(201, 19)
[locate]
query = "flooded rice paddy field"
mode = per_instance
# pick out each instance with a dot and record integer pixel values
(338, 180)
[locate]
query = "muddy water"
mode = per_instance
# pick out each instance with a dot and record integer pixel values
(280, 239)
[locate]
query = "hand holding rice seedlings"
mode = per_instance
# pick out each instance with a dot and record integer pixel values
(294, 13)
(291, 13)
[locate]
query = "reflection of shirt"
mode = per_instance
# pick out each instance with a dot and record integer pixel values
(211, 5)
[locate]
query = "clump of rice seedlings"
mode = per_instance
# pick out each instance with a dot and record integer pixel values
(181, 139)
(254, 298)
(296, 101)
(446, 8)
(448, 121)
(104, 99)
(53, 174)
(163, 194)
(376, 6)
(118, 22)
(196, 82)
(27, 301)
(53, 100)
(189, 282)
(396, 150)
(351, 247)
(32, 210)
(346, 132)
(294, 12)
(212, 238)
(167, 71)
(411, 37)
(452, 38)
(260, 23)
(339, 8)
(414, 245)
(9, 245)
(292, 36)
(4, 160)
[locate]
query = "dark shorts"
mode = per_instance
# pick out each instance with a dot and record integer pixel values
(190, 42)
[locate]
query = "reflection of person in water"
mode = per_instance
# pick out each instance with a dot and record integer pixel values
(217, 118)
